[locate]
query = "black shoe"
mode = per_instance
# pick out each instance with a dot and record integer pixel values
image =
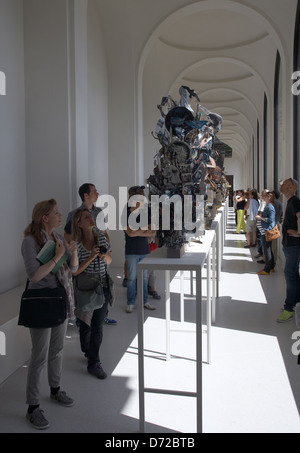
(97, 371)
(261, 262)
(155, 295)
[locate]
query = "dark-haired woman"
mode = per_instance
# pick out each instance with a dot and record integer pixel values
(240, 210)
(47, 343)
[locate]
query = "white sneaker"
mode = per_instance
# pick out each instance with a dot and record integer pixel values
(129, 308)
(149, 306)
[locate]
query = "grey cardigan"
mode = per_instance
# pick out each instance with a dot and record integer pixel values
(30, 249)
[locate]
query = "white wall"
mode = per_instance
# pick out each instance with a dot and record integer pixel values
(97, 102)
(234, 166)
(47, 101)
(82, 120)
(122, 113)
(12, 144)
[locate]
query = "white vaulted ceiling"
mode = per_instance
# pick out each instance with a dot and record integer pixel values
(215, 29)
(223, 49)
(216, 46)
(226, 51)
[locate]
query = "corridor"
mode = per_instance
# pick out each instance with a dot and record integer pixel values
(251, 386)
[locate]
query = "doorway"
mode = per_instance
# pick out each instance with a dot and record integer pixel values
(230, 179)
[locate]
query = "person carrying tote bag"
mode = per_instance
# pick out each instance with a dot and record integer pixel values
(47, 342)
(266, 222)
(91, 286)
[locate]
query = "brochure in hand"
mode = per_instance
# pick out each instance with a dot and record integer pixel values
(47, 253)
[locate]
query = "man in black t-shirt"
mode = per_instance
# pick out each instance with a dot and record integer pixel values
(291, 248)
(240, 205)
(137, 244)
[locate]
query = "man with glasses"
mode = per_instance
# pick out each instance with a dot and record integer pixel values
(291, 248)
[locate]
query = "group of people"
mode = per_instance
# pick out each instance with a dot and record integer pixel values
(257, 214)
(89, 254)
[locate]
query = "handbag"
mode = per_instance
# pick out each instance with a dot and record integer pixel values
(43, 308)
(87, 282)
(111, 290)
(272, 234)
(88, 292)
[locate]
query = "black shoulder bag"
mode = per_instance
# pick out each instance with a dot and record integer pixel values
(43, 308)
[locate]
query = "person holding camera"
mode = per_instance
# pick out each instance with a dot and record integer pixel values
(88, 195)
(94, 256)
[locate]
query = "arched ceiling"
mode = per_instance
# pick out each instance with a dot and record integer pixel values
(212, 30)
(227, 56)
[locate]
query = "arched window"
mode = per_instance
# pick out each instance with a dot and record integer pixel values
(258, 157)
(265, 141)
(297, 99)
(276, 120)
(253, 162)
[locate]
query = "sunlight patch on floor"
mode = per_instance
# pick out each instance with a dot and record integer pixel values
(241, 388)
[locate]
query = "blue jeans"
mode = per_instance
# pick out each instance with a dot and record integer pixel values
(259, 242)
(292, 277)
(269, 257)
(91, 336)
(132, 262)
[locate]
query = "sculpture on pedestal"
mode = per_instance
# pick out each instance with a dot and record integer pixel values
(185, 167)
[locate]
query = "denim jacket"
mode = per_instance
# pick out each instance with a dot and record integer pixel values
(269, 215)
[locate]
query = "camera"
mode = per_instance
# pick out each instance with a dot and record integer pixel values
(103, 249)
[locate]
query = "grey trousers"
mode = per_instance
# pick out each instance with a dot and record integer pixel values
(47, 346)
(151, 279)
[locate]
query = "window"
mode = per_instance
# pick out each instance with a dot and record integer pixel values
(253, 162)
(296, 165)
(277, 116)
(265, 141)
(258, 157)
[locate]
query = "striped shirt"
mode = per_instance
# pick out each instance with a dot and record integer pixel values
(268, 215)
(97, 266)
(260, 228)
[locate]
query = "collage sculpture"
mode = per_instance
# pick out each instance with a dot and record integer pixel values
(188, 176)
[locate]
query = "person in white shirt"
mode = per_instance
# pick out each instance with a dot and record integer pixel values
(251, 208)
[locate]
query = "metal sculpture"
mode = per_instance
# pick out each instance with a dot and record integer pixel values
(185, 165)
